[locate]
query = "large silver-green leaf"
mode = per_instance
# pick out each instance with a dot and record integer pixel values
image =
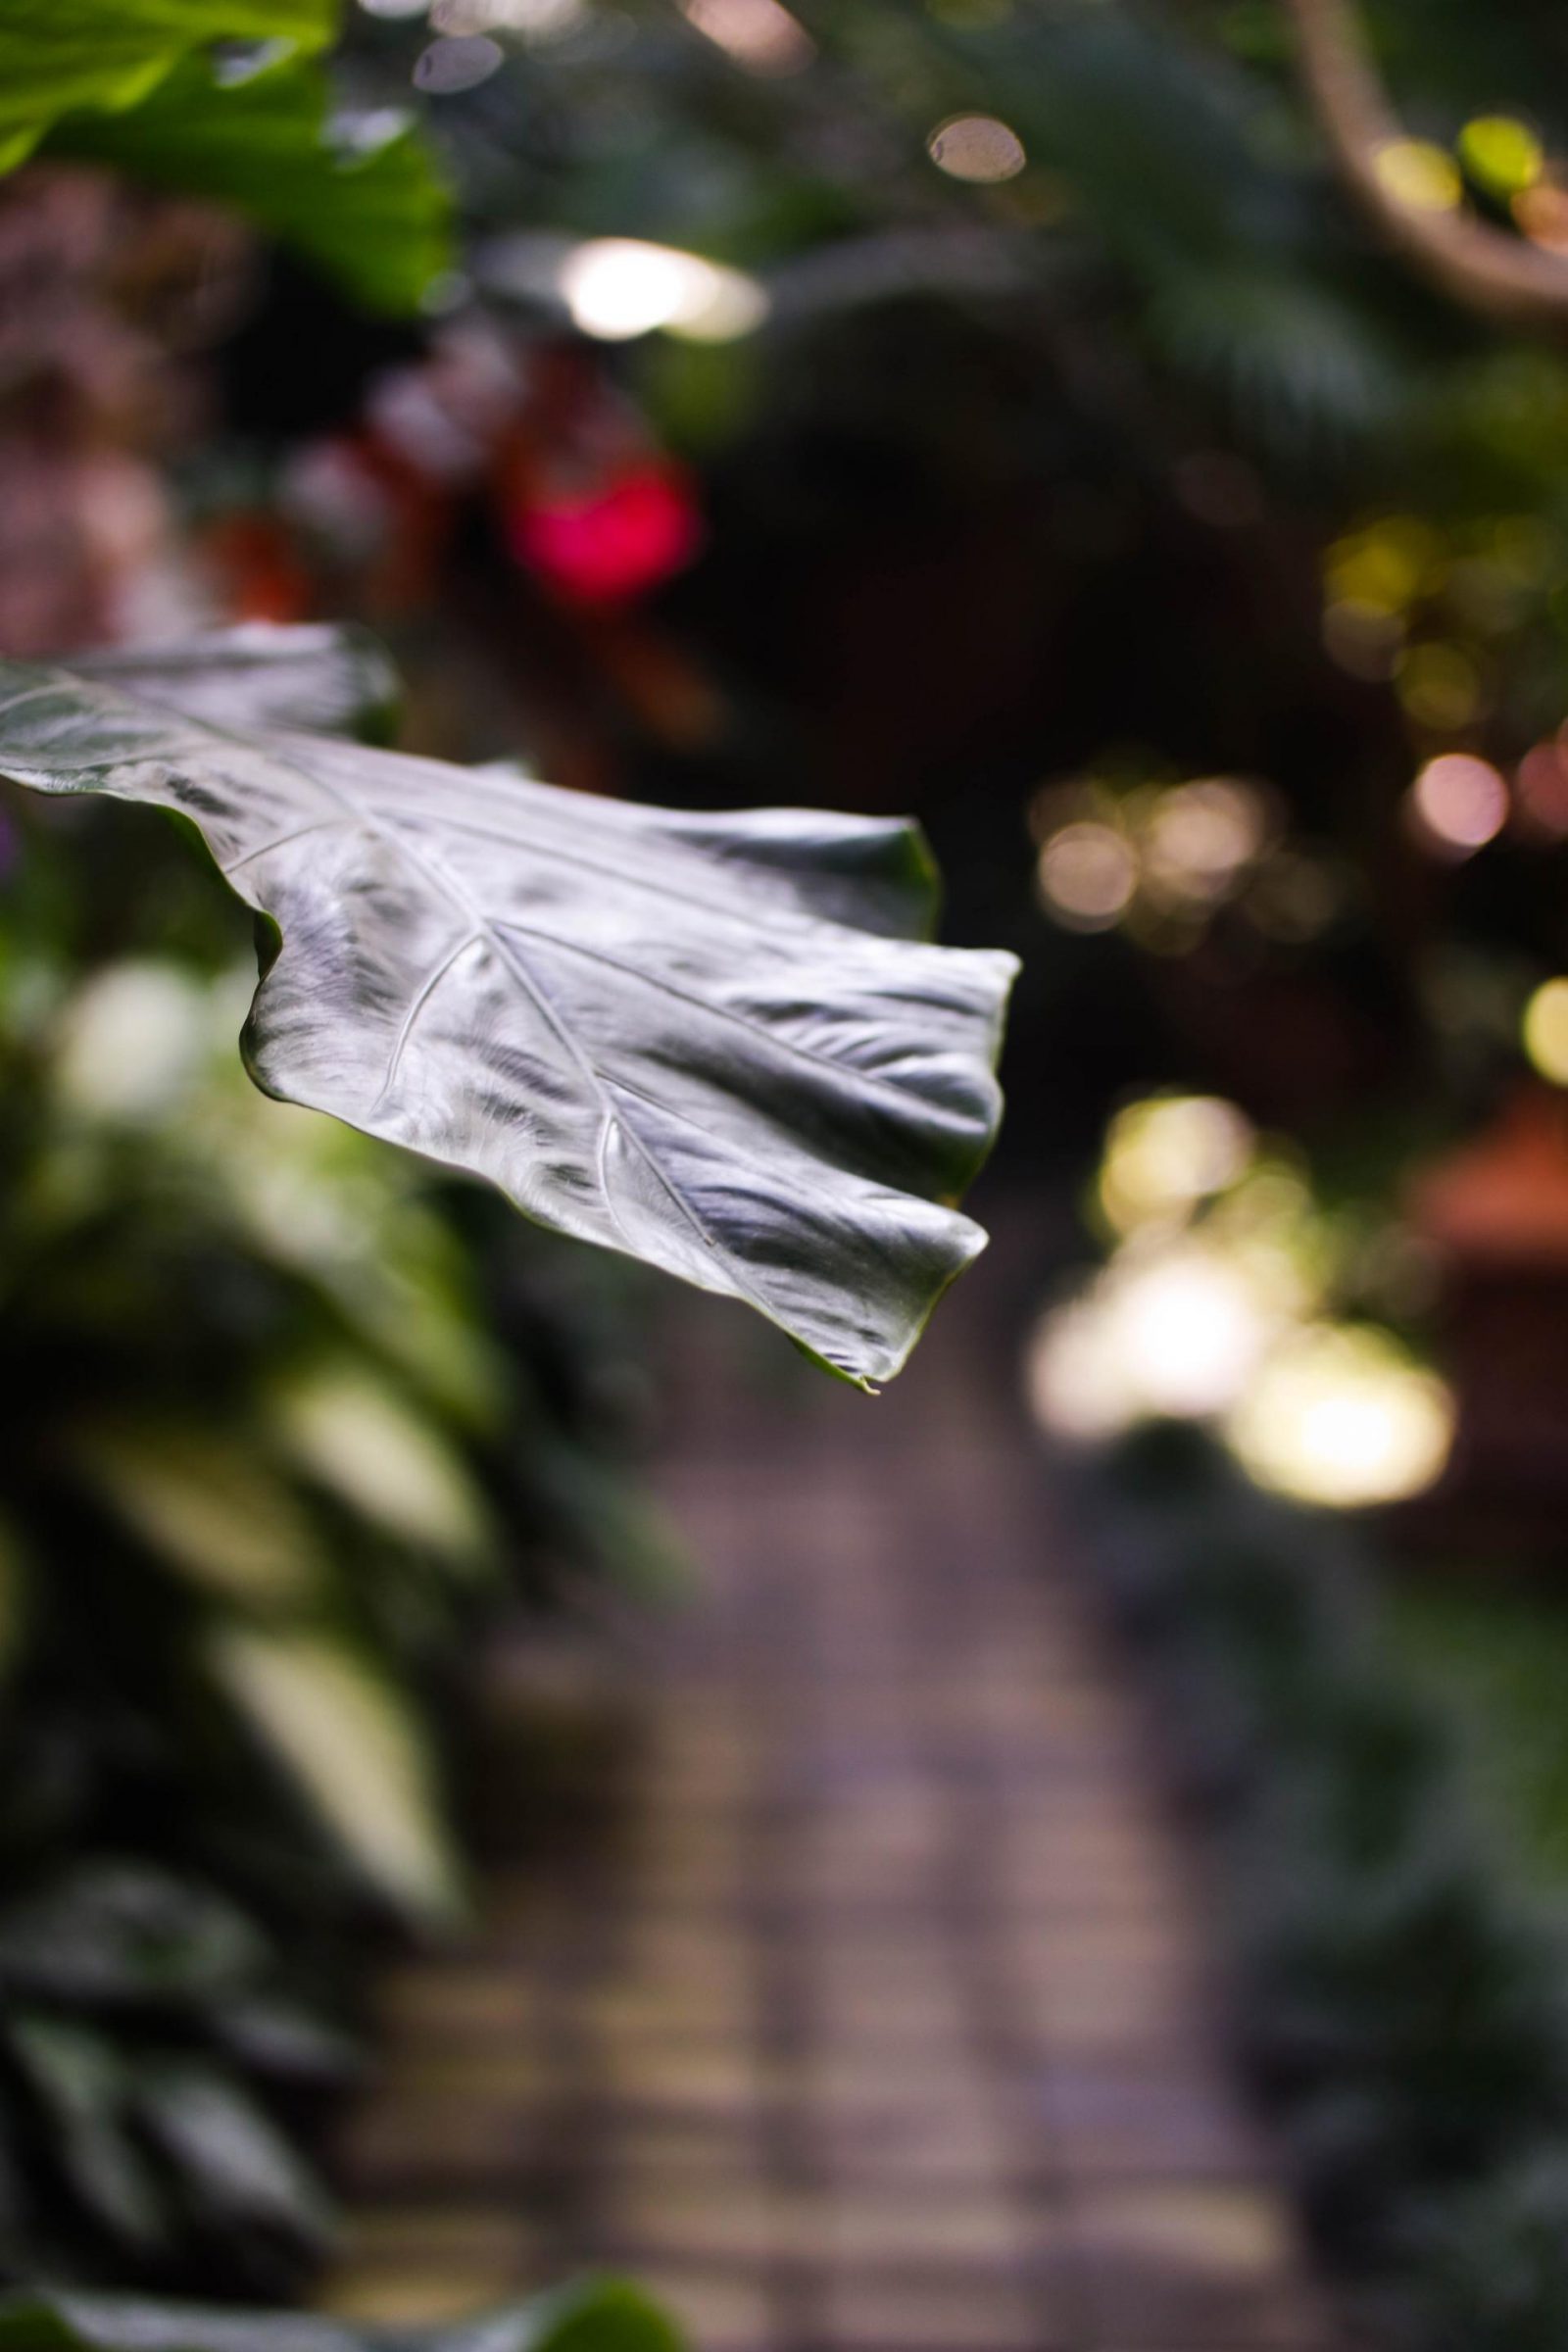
(712, 1042)
(601, 2314)
(327, 680)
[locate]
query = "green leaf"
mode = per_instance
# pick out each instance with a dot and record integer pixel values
(354, 1748)
(79, 2084)
(206, 1505)
(604, 2316)
(599, 2316)
(392, 1465)
(232, 2161)
(712, 1042)
(270, 2035)
(126, 1935)
(60, 56)
(357, 195)
(328, 680)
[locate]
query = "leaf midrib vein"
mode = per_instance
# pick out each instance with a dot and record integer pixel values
(484, 925)
(440, 879)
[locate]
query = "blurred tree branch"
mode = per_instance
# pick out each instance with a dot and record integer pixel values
(1484, 268)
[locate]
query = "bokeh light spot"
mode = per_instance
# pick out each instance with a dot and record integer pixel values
(1340, 1415)
(977, 147)
(1545, 1030)
(1178, 1331)
(1423, 178)
(1165, 1155)
(1458, 803)
(760, 36)
(1502, 154)
(535, 20)
(452, 64)
(618, 287)
(1201, 836)
(1087, 875)
(1541, 782)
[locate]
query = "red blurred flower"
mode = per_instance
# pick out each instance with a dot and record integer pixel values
(611, 542)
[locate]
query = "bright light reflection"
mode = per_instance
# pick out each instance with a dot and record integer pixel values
(1545, 1031)
(1179, 1330)
(759, 36)
(1081, 1386)
(535, 20)
(618, 287)
(450, 66)
(1460, 802)
(1201, 835)
(1164, 1156)
(1341, 1416)
(1087, 875)
(1192, 1326)
(976, 147)
(1212, 1309)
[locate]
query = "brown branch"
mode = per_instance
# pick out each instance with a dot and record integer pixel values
(1502, 276)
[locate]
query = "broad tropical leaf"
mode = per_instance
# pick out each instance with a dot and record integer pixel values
(81, 2083)
(712, 1042)
(60, 56)
(327, 680)
(356, 195)
(600, 2316)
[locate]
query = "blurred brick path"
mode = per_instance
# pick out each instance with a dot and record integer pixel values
(857, 1999)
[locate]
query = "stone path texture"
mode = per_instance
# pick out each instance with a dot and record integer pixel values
(842, 1975)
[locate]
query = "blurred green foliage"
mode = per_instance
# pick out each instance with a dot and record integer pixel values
(266, 1461)
(1398, 1985)
(1496, 1650)
(224, 100)
(80, 53)
(356, 196)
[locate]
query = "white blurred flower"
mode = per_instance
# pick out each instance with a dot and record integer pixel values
(133, 1041)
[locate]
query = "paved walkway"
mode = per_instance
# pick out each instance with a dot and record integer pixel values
(857, 2001)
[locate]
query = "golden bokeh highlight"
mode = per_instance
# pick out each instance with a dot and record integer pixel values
(1545, 1030)
(1422, 176)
